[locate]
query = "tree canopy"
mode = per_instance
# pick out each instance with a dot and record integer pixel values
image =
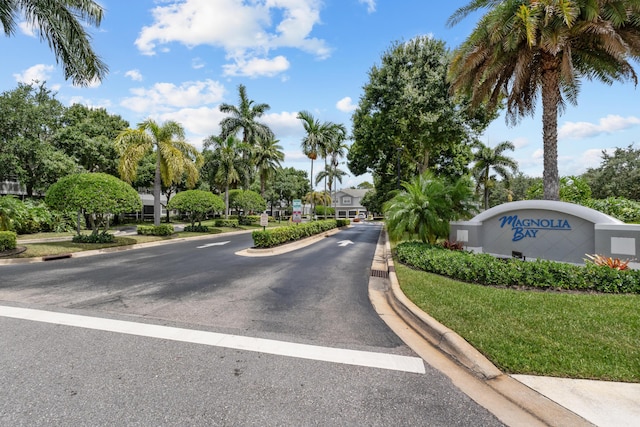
(196, 204)
(95, 194)
(407, 117)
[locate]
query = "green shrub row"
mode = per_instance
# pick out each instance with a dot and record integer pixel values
(197, 228)
(278, 236)
(94, 238)
(343, 222)
(153, 230)
(233, 223)
(486, 269)
(8, 240)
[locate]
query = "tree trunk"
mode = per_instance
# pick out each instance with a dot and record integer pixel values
(226, 202)
(312, 195)
(550, 101)
(156, 192)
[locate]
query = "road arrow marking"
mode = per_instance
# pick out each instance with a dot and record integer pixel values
(345, 243)
(213, 244)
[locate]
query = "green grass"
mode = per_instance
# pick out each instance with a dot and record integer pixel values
(573, 335)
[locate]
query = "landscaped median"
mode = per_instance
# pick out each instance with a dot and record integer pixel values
(263, 239)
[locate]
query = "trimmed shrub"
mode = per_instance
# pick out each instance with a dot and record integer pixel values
(278, 236)
(197, 228)
(342, 222)
(153, 230)
(486, 269)
(94, 238)
(8, 240)
(232, 223)
(248, 219)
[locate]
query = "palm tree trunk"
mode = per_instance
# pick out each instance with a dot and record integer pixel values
(550, 101)
(312, 198)
(486, 190)
(226, 202)
(156, 192)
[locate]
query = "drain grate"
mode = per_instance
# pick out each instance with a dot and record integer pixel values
(380, 273)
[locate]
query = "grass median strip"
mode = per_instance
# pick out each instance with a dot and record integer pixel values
(562, 334)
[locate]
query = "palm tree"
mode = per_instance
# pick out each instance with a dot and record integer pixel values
(227, 164)
(58, 22)
(337, 150)
(174, 156)
(243, 118)
(316, 140)
(522, 47)
(487, 159)
(267, 155)
(426, 206)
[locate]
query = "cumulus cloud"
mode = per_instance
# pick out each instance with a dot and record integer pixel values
(608, 124)
(163, 97)
(245, 30)
(134, 75)
(199, 123)
(371, 5)
(285, 124)
(346, 105)
(36, 73)
(27, 29)
(256, 67)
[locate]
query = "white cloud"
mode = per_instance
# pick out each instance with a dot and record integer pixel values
(245, 30)
(39, 73)
(256, 67)
(520, 142)
(199, 123)
(90, 103)
(608, 124)
(197, 63)
(284, 124)
(134, 75)
(346, 105)
(163, 97)
(27, 29)
(371, 5)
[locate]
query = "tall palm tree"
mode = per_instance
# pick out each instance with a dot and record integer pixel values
(317, 138)
(227, 166)
(523, 47)
(59, 23)
(267, 155)
(243, 119)
(337, 150)
(174, 156)
(487, 159)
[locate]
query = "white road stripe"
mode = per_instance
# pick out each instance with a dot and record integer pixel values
(281, 348)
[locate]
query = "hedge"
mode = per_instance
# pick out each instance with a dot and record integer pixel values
(278, 236)
(233, 223)
(486, 269)
(8, 240)
(153, 230)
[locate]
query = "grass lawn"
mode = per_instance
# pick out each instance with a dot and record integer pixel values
(574, 335)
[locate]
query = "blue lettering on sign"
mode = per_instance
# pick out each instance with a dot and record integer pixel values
(529, 227)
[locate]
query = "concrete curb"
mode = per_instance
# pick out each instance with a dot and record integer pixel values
(289, 247)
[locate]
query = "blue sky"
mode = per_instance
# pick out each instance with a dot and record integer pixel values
(178, 60)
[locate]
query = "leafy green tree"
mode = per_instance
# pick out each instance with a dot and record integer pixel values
(408, 118)
(487, 159)
(31, 116)
(290, 184)
(573, 189)
(87, 135)
(97, 195)
(173, 155)
(225, 164)
(246, 202)
(62, 24)
(196, 203)
(365, 185)
(617, 176)
(426, 206)
(521, 48)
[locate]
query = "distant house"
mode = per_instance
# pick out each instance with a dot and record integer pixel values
(347, 203)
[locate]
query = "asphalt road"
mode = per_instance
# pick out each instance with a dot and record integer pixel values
(86, 373)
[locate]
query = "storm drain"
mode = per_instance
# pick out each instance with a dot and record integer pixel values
(380, 273)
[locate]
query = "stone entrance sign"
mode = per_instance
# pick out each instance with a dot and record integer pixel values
(548, 230)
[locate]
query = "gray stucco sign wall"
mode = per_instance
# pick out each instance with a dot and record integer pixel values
(546, 229)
